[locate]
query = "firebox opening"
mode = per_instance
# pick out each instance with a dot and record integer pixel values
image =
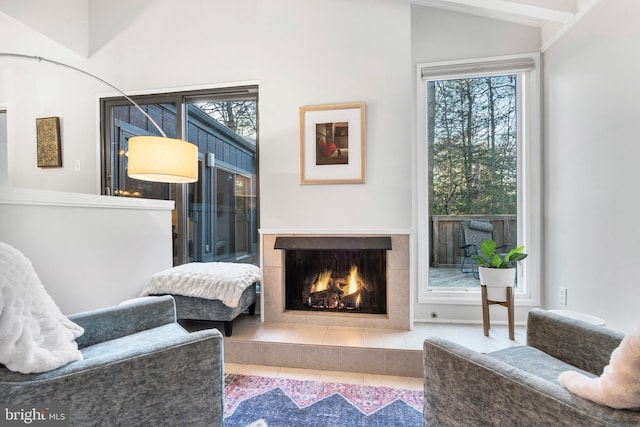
(346, 281)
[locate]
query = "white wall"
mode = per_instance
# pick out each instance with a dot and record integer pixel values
(438, 35)
(4, 161)
(29, 90)
(592, 149)
(89, 251)
(326, 52)
(47, 17)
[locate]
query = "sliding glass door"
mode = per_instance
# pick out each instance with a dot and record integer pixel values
(216, 218)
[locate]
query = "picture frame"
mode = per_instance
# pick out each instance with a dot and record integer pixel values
(49, 150)
(332, 144)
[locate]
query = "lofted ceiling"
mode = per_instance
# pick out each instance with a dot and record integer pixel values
(553, 17)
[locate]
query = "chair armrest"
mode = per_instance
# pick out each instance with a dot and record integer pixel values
(144, 349)
(125, 319)
(463, 387)
(576, 342)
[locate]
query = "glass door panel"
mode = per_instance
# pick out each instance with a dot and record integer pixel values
(201, 211)
(243, 198)
(223, 216)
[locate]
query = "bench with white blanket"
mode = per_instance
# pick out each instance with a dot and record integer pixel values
(213, 291)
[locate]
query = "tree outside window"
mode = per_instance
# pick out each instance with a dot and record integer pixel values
(473, 138)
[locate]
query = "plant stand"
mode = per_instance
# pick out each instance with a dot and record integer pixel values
(486, 302)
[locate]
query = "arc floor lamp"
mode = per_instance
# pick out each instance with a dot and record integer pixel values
(150, 157)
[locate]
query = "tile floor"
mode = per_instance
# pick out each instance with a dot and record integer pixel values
(249, 330)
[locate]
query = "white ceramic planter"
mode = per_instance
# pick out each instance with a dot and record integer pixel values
(497, 280)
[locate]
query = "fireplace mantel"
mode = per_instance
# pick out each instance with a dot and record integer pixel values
(329, 243)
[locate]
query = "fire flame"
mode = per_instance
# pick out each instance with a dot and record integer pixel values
(352, 281)
(323, 281)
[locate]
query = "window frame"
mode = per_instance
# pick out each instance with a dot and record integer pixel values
(529, 176)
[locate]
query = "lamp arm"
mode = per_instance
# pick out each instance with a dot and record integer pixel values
(41, 59)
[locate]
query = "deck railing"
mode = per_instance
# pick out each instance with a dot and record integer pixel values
(446, 238)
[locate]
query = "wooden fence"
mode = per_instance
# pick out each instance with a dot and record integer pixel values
(446, 237)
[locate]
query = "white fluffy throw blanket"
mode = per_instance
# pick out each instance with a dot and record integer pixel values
(34, 335)
(224, 281)
(619, 385)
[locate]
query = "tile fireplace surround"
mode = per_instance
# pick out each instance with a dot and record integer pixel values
(398, 289)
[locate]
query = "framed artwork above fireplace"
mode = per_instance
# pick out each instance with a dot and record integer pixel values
(332, 144)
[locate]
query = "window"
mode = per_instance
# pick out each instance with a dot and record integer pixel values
(479, 168)
(216, 218)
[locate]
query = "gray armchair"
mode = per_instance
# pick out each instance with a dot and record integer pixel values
(519, 386)
(140, 368)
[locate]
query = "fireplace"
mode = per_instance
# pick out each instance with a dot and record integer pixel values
(346, 275)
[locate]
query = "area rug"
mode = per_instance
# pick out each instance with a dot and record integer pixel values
(280, 402)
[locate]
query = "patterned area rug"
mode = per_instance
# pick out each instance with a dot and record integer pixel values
(280, 402)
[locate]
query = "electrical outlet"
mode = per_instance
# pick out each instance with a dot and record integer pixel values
(563, 295)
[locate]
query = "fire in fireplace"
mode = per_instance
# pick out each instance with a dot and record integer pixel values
(346, 275)
(343, 293)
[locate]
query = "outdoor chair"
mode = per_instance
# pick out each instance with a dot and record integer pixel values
(473, 233)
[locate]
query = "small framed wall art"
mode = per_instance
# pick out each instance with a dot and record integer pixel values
(48, 142)
(332, 144)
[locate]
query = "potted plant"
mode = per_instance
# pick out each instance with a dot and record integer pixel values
(497, 271)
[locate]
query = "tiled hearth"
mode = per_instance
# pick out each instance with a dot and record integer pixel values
(351, 349)
(331, 348)
(329, 341)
